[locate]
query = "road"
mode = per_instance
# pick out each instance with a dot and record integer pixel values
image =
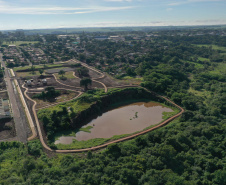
(19, 116)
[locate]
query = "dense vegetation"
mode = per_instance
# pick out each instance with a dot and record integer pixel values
(73, 114)
(49, 94)
(190, 150)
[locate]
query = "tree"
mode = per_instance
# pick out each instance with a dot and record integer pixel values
(33, 69)
(130, 71)
(85, 82)
(61, 72)
(41, 71)
(82, 57)
(51, 61)
(83, 71)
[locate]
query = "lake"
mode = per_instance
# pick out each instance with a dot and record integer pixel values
(125, 119)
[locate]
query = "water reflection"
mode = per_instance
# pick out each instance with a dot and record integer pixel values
(122, 120)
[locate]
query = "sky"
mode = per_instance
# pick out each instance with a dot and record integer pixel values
(44, 14)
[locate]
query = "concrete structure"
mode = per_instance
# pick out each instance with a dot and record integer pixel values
(44, 81)
(29, 82)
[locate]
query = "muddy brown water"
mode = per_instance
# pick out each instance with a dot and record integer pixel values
(122, 120)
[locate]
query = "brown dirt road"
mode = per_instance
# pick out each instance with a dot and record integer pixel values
(41, 135)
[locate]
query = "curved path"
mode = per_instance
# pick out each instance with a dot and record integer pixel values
(94, 79)
(131, 136)
(106, 144)
(64, 84)
(36, 120)
(80, 93)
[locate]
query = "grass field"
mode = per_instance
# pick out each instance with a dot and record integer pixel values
(28, 74)
(68, 75)
(37, 66)
(197, 65)
(201, 93)
(17, 43)
(203, 59)
(220, 69)
(61, 98)
(215, 47)
(129, 79)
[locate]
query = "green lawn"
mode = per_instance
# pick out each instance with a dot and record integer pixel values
(203, 59)
(219, 70)
(17, 43)
(68, 75)
(215, 47)
(201, 93)
(28, 74)
(37, 66)
(197, 65)
(129, 80)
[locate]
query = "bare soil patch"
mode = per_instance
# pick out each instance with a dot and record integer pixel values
(4, 95)
(65, 96)
(2, 85)
(110, 82)
(7, 129)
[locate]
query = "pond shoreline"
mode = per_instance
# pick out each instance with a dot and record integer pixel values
(131, 126)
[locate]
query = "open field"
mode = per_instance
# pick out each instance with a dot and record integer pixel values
(220, 69)
(17, 43)
(201, 93)
(28, 74)
(38, 67)
(68, 75)
(7, 128)
(203, 59)
(65, 96)
(215, 47)
(197, 65)
(129, 79)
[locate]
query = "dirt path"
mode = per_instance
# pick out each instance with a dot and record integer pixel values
(80, 93)
(106, 144)
(132, 136)
(95, 79)
(65, 84)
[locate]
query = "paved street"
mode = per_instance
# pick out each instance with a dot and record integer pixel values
(17, 108)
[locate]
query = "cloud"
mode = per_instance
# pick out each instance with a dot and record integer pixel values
(169, 9)
(177, 3)
(103, 9)
(118, 0)
(12, 9)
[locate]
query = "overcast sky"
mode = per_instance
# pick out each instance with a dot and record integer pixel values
(35, 14)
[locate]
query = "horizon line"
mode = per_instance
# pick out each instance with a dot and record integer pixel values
(188, 25)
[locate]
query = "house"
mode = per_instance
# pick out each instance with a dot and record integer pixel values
(44, 81)
(29, 83)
